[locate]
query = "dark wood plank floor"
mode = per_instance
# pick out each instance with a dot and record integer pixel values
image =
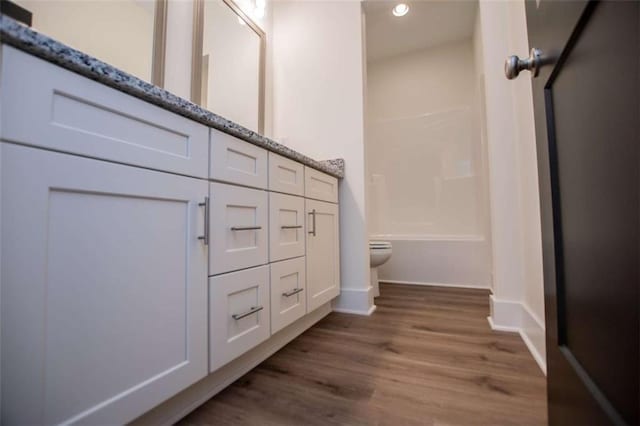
(426, 356)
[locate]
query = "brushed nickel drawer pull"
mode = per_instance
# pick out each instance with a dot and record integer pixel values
(291, 227)
(246, 314)
(292, 292)
(245, 228)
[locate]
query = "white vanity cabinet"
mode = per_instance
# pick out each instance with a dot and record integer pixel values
(141, 250)
(323, 253)
(104, 287)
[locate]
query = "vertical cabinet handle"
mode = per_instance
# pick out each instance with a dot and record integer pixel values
(313, 222)
(205, 237)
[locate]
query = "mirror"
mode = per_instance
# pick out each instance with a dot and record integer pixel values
(230, 56)
(137, 46)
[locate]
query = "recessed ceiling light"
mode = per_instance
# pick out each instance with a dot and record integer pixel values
(400, 9)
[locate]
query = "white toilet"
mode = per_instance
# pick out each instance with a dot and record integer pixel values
(379, 253)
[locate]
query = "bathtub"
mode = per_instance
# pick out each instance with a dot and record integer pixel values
(445, 260)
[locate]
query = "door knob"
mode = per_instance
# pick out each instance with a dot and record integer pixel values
(513, 65)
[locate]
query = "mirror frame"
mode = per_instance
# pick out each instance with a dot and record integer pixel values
(159, 43)
(197, 50)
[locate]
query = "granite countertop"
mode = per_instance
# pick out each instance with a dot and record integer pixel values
(28, 40)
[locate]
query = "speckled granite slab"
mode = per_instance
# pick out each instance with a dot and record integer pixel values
(30, 41)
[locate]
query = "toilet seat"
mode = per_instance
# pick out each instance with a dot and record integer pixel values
(379, 245)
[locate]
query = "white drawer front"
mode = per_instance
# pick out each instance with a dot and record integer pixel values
(320, 186)
(285, 175)
(238, 227)
(47, 106)
(239, 314)
(286, 227)
(237, 161)
(288, 284)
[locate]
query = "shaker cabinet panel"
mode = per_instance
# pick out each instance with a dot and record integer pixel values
(238, 224)
(47, 106)
(320, 186)
(288, 301)
(104, 288)
(285, 175)
(286, 227)
(236, 161)
(323, 253)
(239, 314)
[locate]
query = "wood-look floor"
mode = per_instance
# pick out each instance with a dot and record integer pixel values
(426, 356)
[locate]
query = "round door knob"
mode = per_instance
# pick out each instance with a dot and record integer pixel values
(513, 65)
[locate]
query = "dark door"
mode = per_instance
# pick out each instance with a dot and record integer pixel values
(586, 100)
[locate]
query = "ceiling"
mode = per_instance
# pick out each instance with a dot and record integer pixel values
(428, 23)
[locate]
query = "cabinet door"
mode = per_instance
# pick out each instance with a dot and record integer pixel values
(238, 224)
(286, 227)
(323, 253)
(239, 314)
(104, 288)
(288, 301)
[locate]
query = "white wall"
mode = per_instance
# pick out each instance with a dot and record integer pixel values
(89, 26)
(517, 302)
(318, 68)
(529, 194)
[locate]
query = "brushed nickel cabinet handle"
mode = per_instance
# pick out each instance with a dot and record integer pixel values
(313, 222)
(291, 227)
(205, 237)
(292, 292)
(245, 228)
(246, 314)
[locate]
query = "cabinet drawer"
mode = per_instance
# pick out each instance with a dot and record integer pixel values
(47, 106)
(288, 284)
(239, 314)
(320, 186)
(285, 175)
(286, 227)
(238, 227)
(233, 160)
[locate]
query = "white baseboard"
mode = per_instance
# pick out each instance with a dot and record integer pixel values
(347, 311)
(175, 408)
(358, 301)
(436, 284)
(516, 317)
